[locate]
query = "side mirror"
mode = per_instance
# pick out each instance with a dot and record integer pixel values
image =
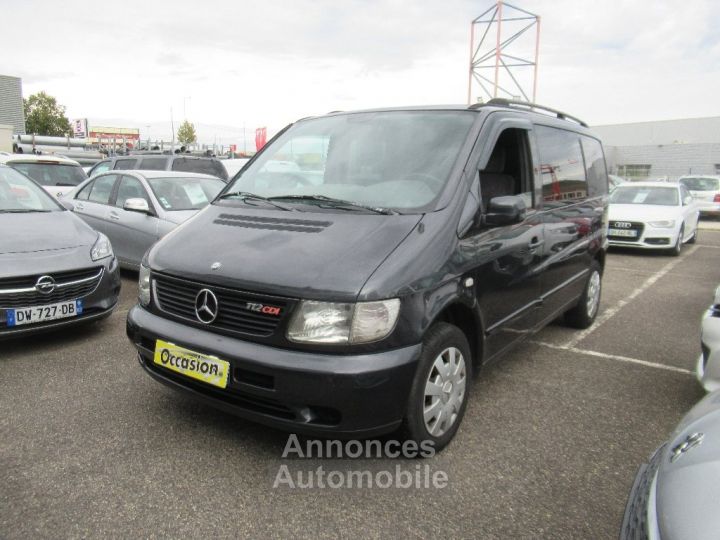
(137, 205)
(505, 210)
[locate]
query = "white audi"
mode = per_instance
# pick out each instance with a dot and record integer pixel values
(652, 215)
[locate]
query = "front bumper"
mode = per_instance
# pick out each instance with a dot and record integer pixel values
(650, 238)
(97, 305)
(707, 369)
(312, 393)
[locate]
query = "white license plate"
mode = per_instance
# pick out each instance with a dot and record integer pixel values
(622, 232)
(38, 314)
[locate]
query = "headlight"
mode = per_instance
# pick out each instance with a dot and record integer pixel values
(144, 286)
(101, 249)
(667, 224)
(330, 322)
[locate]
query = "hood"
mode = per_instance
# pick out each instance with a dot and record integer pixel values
(317, 255)
(688, 488)
(642, 212)
(43, 231)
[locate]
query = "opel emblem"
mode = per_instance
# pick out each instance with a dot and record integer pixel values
(206, 306)
(215, 265)
(45, 285)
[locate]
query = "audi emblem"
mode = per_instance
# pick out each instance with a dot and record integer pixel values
(622, 225)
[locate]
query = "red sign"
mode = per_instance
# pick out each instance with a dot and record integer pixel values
(260, 138)
(233, 148)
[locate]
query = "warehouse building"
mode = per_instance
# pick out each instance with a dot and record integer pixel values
(665, 148)
(11, 103)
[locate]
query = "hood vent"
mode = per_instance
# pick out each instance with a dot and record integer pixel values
(272, 224)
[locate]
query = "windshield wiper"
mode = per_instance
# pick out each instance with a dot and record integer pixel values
(337, 203)
(21, 210)
(247, 196)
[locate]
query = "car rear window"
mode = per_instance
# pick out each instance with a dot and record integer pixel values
(203, 166)
(701, 184)
(154, 164)
(52, 174)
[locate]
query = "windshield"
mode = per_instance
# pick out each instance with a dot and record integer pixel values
(19, 194)
(52, 174)
(212, 167)
(399, 159)
(701, 184)
(185, 193)
(662, 196)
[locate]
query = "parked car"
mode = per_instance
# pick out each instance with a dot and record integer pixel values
(56, 174)
(706, 190)
(233, 166)
(54, 269)
(708, 363)
(675, 494)
(136, 208)
(652, 215)
(360, 294)
(162, 162)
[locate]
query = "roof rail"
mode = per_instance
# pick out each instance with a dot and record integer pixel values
(502, 102)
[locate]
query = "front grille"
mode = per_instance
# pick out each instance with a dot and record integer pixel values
(18, 292)
(634, 226)
(176, 297)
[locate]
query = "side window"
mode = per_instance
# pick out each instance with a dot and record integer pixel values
(100, 168)
(594, 166)
(130, 188)
(125, 164)
(508, 171)
(102, 189)
(685, 194)
(561, 166)
(154, 163)
(84, 193)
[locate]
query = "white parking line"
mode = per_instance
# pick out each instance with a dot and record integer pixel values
(611, 312)
(614, 357)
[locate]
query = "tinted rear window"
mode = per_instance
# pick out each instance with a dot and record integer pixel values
(154, 164)
(125, 164)
(701, 184)
(52, 174)
(204, 166)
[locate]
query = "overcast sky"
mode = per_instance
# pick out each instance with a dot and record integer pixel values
(229, 63)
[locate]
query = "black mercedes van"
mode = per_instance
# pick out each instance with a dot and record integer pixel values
(351, 279)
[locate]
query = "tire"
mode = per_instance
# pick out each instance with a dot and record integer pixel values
(583, 314)
(675, 251)
(450, 401)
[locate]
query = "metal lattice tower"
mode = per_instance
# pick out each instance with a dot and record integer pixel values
(503, 29)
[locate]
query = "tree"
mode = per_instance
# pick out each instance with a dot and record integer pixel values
(186, 133)
(44, 116)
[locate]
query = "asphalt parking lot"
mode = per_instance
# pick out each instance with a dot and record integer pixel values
(90, 446)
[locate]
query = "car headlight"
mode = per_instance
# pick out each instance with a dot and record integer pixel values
(667, 224)
(102, 248)
(144, 286)
(331, 322)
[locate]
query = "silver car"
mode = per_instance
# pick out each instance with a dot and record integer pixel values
(708, 363)
(55, 271)
(675, 495)
(706, 190)
(137, 208)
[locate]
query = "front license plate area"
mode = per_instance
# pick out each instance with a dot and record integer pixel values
(201, 367)
(622, 232)
(39, 314)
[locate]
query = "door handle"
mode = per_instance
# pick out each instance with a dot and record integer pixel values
(114, 216)
(80, 206)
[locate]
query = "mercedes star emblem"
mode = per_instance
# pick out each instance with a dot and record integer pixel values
(206, 306)
(45, 284)
(215, 265)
